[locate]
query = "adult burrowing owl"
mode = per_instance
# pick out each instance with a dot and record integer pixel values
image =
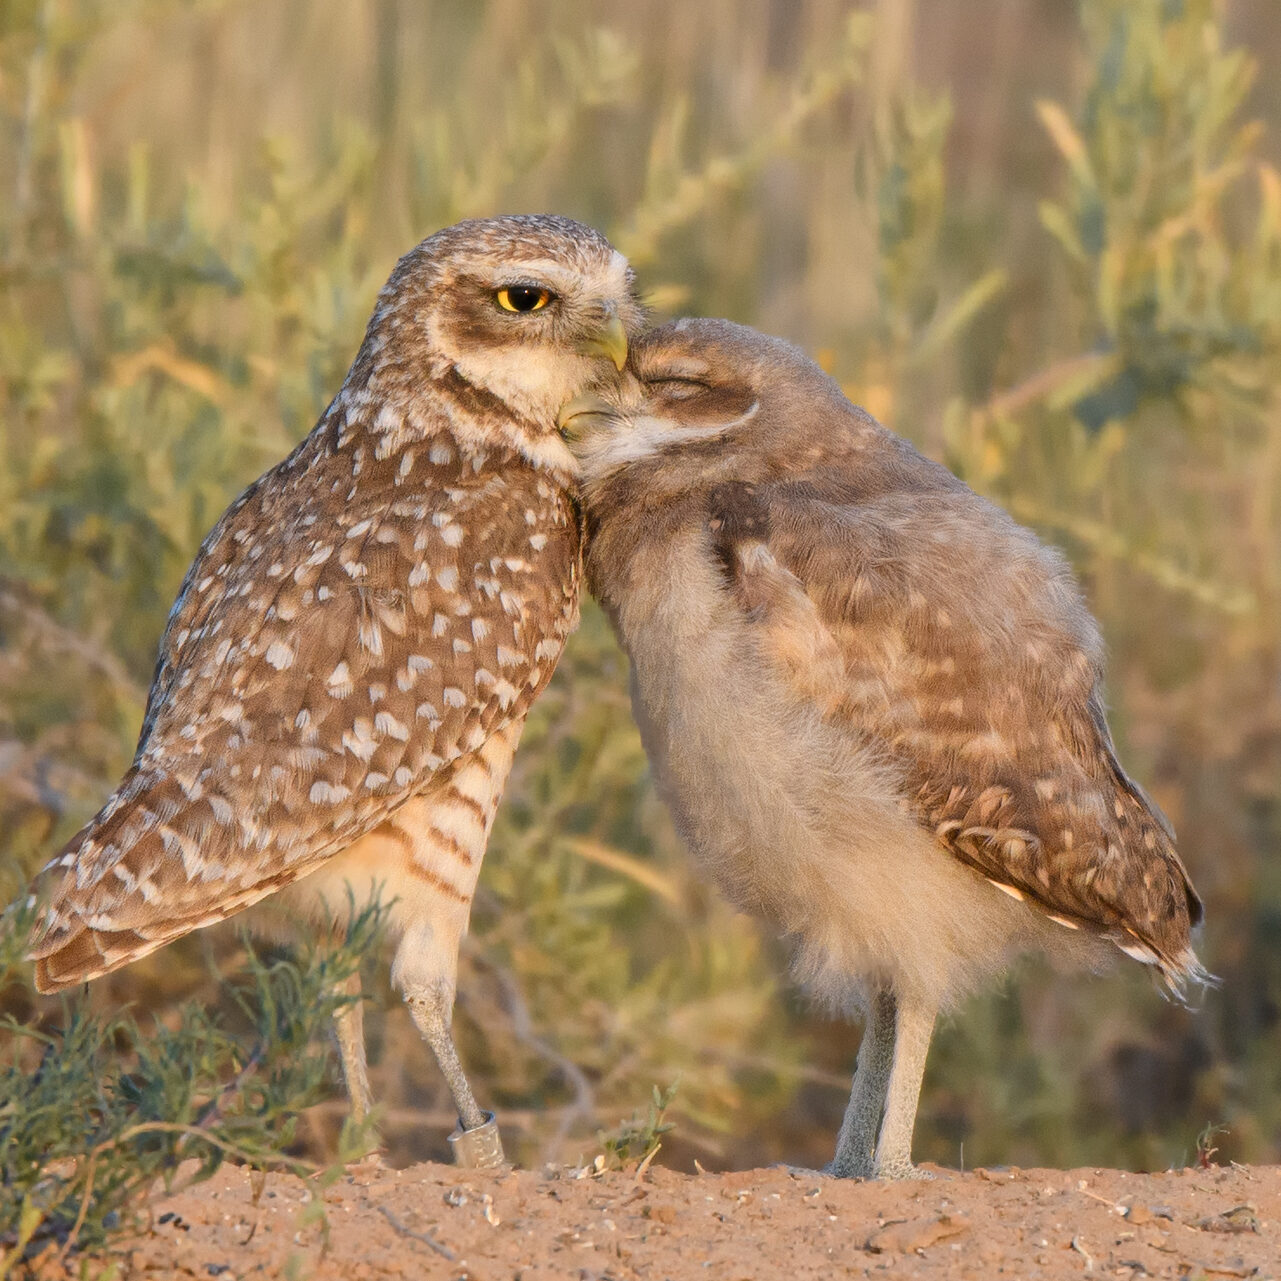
(348, 666)
(871, 699)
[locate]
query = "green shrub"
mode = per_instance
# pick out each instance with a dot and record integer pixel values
(96, 1110)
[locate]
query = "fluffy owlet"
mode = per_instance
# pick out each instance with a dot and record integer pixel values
(348, 666)
(871, 699)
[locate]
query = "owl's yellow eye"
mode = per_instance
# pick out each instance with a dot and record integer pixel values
(523, 298)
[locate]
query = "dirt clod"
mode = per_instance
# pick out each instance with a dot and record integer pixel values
(1241, 1218)
(917, 1234)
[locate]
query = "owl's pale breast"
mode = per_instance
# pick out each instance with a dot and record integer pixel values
(743, 764)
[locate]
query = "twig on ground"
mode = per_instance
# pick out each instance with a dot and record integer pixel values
(643, 1168)
(425, 1237)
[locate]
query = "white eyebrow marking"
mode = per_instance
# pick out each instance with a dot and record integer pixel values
(548, 267)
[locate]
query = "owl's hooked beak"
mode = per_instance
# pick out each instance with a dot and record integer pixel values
(609, 340)
(586, 411)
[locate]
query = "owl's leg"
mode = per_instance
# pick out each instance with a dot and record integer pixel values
(349, 1027)
(857, 1141)
(425, 970)
(914, 1026)
(432, 1008)
(476, 1142)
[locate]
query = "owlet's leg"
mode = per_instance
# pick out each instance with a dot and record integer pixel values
(914, 1025)
(856, 1143)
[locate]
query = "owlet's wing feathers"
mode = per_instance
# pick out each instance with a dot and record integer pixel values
(966, 671)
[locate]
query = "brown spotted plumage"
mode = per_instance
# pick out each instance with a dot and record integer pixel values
(345, 674)
(872, 700)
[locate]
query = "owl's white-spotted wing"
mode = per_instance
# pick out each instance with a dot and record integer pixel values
(353, 625)
(954, 644)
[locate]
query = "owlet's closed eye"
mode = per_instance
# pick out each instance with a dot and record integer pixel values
(676, 388)
(698, 404)
(523, 297)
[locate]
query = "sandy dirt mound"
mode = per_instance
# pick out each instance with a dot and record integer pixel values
(433, 1221)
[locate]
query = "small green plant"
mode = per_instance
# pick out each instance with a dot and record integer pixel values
(1206, 1150)
(97, 1110)
(638, 1139)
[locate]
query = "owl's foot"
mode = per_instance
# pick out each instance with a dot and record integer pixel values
(891, 1172)
(829, 1171)
(901, 1171)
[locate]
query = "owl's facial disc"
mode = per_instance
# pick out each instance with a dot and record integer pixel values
(600, 328)
(535, 331)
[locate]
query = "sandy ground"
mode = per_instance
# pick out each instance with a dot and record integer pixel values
(433, 1221)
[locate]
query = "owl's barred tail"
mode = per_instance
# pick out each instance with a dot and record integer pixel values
(68, 949)
(76, 938)
(73, 951)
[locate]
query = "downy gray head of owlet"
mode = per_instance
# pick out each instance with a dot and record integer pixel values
(347, 668)
(871, 699)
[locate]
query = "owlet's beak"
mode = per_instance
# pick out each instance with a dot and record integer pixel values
(584, 413)
(610, 339)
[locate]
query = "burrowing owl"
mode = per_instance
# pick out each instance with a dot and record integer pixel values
(348, 666)
(871, 699)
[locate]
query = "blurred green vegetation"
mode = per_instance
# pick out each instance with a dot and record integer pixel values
(1042, 240)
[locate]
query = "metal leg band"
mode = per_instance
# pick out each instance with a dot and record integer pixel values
(478, 1149)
